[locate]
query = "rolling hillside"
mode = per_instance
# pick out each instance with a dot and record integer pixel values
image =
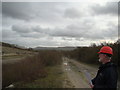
(10, 51)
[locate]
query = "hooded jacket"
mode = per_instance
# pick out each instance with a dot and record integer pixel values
(106, 76)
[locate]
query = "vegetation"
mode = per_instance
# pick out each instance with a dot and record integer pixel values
(54, 79)
(15, 46)
(30, 68)
(45, 66)
(10, 52)
(89, 54)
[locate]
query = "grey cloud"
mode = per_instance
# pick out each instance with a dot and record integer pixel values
(94, 35)
(30, 11)
(7, 33)
(79, 39)
(72, 30)
(73, 38)
(17, 10)
(108, 33)
(81, 32)
(0, 7)
(24, 30)
(112, 31)
(29, 32)
(108, 8)
(48, 24)
(67, 38)
(32, 35)
(39, 29)
(85, 30)
(21, 29)
(72, 13)
(67, 33)
(49, 12)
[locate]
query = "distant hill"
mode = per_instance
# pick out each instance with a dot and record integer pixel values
(55, 48)
(13, 49)
(12, 45)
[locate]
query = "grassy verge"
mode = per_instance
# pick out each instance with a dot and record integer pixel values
(54, 79)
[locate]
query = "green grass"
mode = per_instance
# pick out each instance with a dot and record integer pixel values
(54, 79)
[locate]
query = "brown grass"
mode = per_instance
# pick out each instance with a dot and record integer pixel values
(29, 68)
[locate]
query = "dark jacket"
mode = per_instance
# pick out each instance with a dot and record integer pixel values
(106, 76)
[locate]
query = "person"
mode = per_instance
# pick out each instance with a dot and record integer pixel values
(107, 74)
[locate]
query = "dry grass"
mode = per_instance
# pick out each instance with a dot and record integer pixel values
(29, 68)
(11, 50)
(54, 79)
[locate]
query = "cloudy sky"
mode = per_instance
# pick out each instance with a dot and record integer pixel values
(34, 24)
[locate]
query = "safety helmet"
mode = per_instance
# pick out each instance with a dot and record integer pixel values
(106, 49)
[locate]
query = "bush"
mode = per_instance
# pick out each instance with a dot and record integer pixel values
(50, 57)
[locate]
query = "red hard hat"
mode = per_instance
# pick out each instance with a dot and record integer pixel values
(106, 49)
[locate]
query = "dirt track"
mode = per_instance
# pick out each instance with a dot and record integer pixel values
(75, 73)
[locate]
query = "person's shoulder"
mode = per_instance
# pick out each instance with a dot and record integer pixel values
(110, 67)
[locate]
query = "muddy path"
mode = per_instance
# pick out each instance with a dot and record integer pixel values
(76, 73)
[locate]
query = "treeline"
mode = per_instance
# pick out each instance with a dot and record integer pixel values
(30, 68)
(90, 55)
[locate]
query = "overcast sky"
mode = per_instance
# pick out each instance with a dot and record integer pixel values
(34, 24)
